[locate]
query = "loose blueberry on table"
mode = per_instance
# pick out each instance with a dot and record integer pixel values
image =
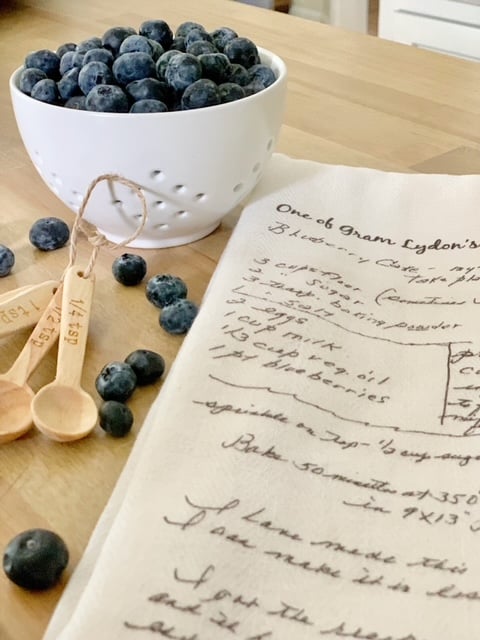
(178, 317)
(116, 381)
(35, 559)
(148, 365)
(97, 73)
(49, 234)
(129, 269)
(7, 260)
(163, 289)
(115, 418)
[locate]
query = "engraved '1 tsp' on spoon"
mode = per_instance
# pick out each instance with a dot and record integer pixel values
(23, 307)
(15, 394)
(62, 410)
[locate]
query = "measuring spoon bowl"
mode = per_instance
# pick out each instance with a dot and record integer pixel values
(15, 394)
(62, 410)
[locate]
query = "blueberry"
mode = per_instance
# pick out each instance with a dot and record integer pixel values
(141, 43)
(78, 58)
(115, 418)
(182, 70)
(157, 30)
(67, 62)
(133, 66)
(242, 51)
(177, 318)
(68, 84)
(230, 91)
(129, 269)
(255, 86)
(238, 75)
(63, 48)
(7, 260)
(178, 43)
(260, 73)
(89, 43)
(107, 98)
(29, 77)
(93, 74)
(215, 66)
(148, 106)
(185, 27)
(196, 35)
(35, 559)
(46, 91)
(46, 60)
(116, 381)
(221, 36)
(98, 55)
(148, 365)
(49, 234)
(163, 61)
(164, 289)
(202, 93)
(76, 102)
(157, 49)
(199, 47)
(113, 37)
(149, 89)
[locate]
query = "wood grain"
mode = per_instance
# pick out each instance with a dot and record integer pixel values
(352, 99)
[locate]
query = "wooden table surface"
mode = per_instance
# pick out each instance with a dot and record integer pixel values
(352, 99)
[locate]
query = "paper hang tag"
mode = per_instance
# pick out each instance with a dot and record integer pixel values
(23, 307)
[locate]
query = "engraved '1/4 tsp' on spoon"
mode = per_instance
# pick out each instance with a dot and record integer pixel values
(62, 410)
(15, 394)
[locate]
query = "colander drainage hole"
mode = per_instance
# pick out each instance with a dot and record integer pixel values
(161, 227)
(182, 214)
(269, 144)
(256, 167)
(160, 204)
(179, 188)
(200, 196)
(238, 187)
(38, 158)
(157, 174)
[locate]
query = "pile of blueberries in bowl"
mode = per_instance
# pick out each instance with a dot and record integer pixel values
(189, 115)
(150, 70)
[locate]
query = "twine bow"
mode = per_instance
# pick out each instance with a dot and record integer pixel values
(94, 237)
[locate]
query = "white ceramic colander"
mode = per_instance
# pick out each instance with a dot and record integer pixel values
(194, 166)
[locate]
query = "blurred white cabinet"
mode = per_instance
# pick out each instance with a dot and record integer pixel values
(347, 14)
(446, 26)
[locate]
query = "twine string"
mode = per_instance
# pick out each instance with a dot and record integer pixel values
(93, 235)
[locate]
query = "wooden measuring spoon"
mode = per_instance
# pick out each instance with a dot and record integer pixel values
(23, 307)
(15, 394)
(62, 410)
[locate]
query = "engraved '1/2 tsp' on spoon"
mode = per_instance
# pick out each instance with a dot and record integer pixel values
(15, 394)
(62, 410)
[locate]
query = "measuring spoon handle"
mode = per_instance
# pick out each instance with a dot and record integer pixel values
(76, 309)
(39, 342)
(23, 307)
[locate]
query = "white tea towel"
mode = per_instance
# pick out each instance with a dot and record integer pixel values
(310, 467)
